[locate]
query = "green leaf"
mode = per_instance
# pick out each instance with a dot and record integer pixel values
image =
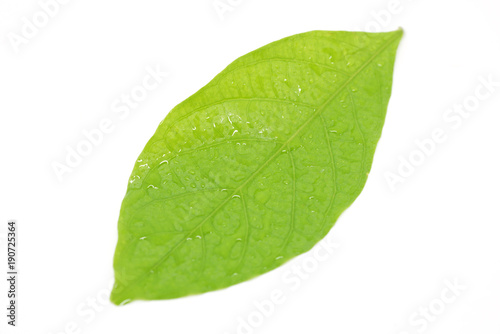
(256, 167)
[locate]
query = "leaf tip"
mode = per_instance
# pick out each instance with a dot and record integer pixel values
(116, 297)
(399, 31)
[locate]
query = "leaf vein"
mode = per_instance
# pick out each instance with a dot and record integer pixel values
(317, 112)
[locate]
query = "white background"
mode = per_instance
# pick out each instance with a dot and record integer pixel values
(397, 248)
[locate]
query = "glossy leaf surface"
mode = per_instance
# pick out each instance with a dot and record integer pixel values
(256, 167)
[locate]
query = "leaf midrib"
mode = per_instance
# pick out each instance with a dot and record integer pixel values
(271, 158)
